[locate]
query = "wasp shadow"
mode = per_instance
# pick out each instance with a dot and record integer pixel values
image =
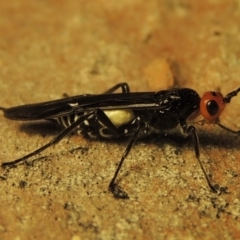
(218, 138)
(42, 128)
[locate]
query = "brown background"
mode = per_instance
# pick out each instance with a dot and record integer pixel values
(48, 48)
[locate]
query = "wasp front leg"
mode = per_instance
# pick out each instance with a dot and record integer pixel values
(191, 130)
(228, 129)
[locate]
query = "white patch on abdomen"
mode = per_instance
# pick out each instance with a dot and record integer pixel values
(120, 117)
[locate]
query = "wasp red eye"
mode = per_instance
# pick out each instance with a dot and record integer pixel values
(211, 105)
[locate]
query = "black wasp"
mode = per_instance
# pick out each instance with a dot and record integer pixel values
(129, 114)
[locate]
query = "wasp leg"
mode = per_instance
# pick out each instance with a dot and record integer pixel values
(113, 186)
(54, 141)
(124, 87)
(228, 129)
(191, 130)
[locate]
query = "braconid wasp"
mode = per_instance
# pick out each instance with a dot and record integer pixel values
(127, 114)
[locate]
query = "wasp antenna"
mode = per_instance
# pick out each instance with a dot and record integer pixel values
(230, 95)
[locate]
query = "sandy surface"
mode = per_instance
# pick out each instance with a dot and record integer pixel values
(48, 48)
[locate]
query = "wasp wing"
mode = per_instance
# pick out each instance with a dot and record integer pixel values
(87, 103)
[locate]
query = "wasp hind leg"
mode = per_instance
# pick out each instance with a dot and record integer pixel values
(54, 141)
(124, 87)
